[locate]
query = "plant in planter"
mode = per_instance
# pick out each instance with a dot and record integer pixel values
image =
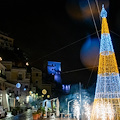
(35, 116)
(17, 110)
(39, 112)
(49, 110)
(54, 107)
(43, 111)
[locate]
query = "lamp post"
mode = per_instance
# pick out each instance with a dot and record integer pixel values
(0, 59)
(68, 106)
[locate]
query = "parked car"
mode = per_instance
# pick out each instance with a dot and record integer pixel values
(2, 112)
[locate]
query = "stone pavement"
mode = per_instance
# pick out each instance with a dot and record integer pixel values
(24, 116)
(28, 116)
(57, 119)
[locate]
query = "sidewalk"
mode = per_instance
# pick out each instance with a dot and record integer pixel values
(59, 119)
(28, 116)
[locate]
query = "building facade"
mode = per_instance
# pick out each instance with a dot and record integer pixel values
(6, 90)
(36, 79)
(6, 42)
(17, 76)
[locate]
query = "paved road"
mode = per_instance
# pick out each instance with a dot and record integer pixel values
(24, 116)
(28, 116)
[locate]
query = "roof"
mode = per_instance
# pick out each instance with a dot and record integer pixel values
(36, 69)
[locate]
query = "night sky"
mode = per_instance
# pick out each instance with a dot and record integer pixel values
(40, 28)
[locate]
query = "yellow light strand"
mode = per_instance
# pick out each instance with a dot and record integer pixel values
(105, 28)
(107, 65)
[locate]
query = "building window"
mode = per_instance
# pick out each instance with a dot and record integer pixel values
(7, 44)
(20, 77)
(0, 101)
(36, 74)
(36, 81)
(26, 86)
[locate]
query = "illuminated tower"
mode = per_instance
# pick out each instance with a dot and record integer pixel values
(107, 96)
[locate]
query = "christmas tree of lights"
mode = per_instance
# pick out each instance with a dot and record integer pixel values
(106, 104)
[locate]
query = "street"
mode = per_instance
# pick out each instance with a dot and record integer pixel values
(24, 116)
(28, 116)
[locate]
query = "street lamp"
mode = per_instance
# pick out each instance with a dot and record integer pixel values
(27, 64)
(0, 58)
(68, 106)
(18, 85)
(17, 97)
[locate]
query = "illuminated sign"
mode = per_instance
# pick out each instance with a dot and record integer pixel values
(66, 88)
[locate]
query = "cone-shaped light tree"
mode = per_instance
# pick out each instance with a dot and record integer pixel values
(106, 104)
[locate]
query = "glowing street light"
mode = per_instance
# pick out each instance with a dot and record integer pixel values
(17, 98)
(0, 58)
(24, 89)
(27, 64)
(18, 85)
